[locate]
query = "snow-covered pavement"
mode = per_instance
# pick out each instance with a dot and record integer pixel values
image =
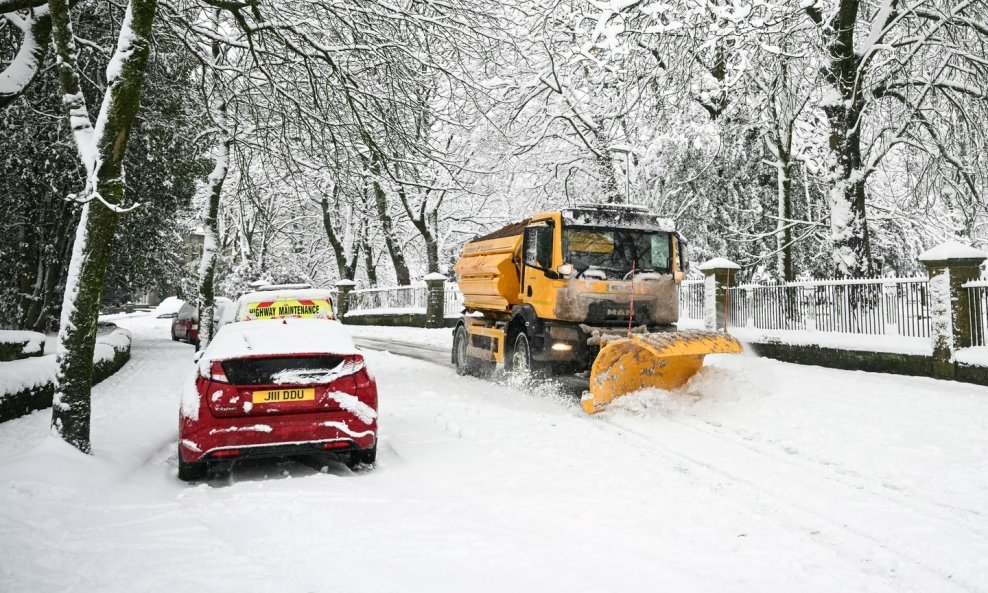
(757, 476)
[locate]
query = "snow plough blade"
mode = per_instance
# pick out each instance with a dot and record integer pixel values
(662, 360)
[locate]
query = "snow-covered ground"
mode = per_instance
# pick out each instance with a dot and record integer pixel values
(756, 476)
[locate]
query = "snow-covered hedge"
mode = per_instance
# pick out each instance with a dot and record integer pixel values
(15, 345)
(28, 385)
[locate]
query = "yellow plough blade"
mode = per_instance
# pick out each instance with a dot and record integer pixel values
(662, 360)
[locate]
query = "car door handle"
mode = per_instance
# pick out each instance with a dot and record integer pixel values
(529, 291)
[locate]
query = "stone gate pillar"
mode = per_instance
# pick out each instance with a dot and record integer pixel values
(949, 266)
(344, 287)
(720, 274)
(435, 304)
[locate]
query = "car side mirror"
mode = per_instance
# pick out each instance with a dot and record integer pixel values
(197, 356)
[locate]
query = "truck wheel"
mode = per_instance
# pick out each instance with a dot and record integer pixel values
(466, 364)
(460, 352)
(522, 363)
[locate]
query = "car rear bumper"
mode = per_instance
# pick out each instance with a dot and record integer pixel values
(274, 436)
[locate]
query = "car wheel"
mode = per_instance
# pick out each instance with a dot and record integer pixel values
(174, 337)
(363, 457)
(191, 471)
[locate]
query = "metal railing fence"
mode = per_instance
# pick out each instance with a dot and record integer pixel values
(691, 299)
(977, 298)
(398, 297)
(890, 306)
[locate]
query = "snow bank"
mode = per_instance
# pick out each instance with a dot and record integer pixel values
(387, 311)
(977, 356)
(27, 385)
(864, 342)
(16, 344)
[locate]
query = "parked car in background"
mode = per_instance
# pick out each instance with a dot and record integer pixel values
(185, 326)
(277, 388)
(168, 308)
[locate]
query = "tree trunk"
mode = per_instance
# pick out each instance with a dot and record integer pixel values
(101, 150)
(387, 225)
(848, 220)
(344, 268)
(369, 266)
(210, 225)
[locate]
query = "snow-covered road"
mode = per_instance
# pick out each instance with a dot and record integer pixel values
(757, 476)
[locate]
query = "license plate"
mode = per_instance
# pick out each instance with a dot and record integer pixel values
(275, 396)
(618, 287)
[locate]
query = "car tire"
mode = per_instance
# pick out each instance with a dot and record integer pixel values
(174, 337)
(363, 457)
(191, 471)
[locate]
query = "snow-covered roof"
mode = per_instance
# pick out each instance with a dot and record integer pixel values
(275, 337)
(718, 263)
(952, 250)
(434, 276)
(345, 282)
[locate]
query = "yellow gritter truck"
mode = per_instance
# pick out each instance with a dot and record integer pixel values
(590, 288)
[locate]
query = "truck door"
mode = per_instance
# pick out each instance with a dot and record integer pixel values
(538, 261)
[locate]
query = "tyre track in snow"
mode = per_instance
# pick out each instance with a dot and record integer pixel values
(433, 354)
(796, 509)
(836, 472)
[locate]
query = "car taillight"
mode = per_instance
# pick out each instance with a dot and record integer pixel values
(362, 379)
(215, 373)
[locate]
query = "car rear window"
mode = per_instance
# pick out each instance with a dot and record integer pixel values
(293, 370)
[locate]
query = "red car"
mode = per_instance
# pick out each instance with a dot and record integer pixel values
(277, 388)
(185, 326)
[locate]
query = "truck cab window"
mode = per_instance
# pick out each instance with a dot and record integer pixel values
(538, 246)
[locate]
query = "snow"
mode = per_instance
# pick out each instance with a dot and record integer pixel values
(313, 376)
(756, 476)
(952, 250)
(28, 373)
(274, 337)
(24, 66)
(941, 324)
(345, 282)
(387, 311)
(436, 338)
(842, 341)
(718, 263)
(350, 403)
(33, 341)
(434, 276)
(168, 307)
(975, 356)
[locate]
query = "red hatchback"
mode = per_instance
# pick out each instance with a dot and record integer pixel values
(278, 388)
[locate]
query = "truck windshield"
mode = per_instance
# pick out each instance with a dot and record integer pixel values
(610, 252)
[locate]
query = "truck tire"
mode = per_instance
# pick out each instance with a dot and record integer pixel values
(522, 363)
(466, 364)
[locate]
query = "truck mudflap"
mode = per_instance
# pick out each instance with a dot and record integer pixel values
(664, 360)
